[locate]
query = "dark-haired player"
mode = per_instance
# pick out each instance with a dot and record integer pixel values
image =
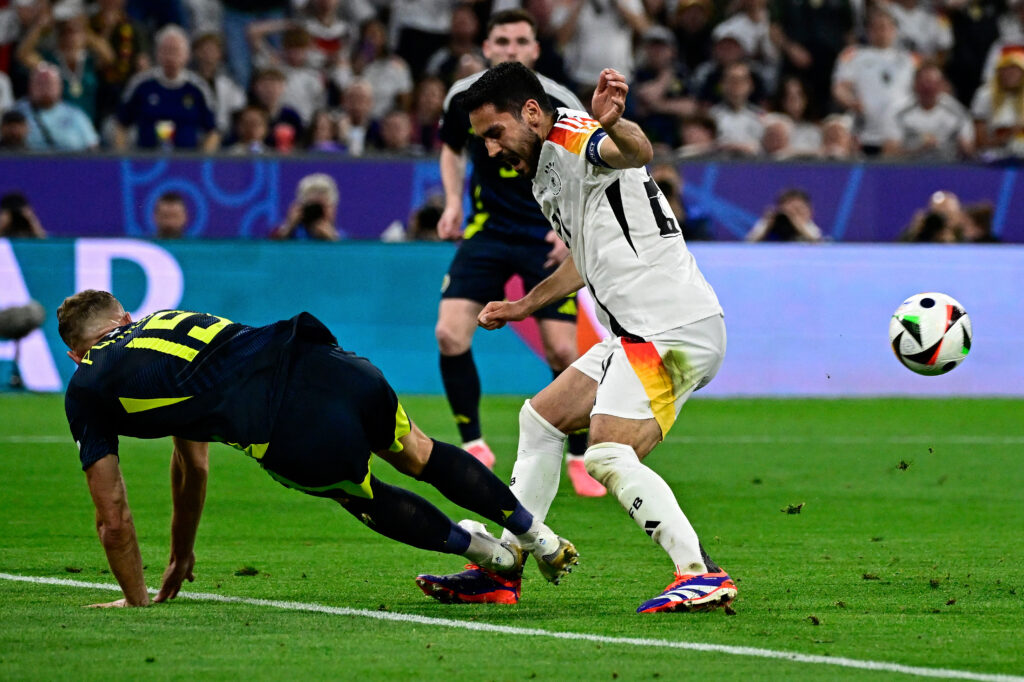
(505, 235)
(669, 336)
(286, 395)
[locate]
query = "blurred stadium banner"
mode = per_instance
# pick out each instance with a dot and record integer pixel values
(230, 198)
(802, 319)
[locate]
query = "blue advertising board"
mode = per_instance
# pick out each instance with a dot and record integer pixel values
(807, 320)
(85, 196)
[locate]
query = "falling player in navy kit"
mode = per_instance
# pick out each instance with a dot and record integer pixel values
(506, 235)
(286, 395)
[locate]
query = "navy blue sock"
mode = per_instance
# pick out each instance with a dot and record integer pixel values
(404, 516)
(462, 386)
(471, 485)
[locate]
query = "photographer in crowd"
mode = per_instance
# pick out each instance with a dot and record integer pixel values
(313, 213)
(17, 219)
(790, 220)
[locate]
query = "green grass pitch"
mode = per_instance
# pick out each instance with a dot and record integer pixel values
(907, 550)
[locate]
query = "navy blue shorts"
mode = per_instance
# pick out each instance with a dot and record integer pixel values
(486, 261)
(337, 409)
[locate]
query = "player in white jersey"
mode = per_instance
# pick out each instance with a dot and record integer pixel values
(669, 335)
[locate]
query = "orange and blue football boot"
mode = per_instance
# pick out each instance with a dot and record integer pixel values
(693, 593)
(475, 585)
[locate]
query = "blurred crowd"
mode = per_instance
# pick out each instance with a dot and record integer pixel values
(777, 79)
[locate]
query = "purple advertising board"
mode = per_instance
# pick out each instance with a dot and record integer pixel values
(229, 198)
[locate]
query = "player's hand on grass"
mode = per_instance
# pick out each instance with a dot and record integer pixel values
(116, 604)
(496, 313)
(609, 100)
(449, 225)
(178, 570)
(559, 251)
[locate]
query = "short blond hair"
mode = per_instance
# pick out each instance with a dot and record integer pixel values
(78, 314)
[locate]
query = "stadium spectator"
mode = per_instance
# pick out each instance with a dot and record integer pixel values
(13, 132)
(776, 140)
(208, 60)
(1011, 34)
(238, 14)
(921, 29)
(790, 220)
(322, 133)
(691, 24)
(289, 396)
(170, 216)
(313, 213)
(838, 143)
(17, 219)
(598, 34)
(738, 122)
(468, 65)
(698, 134)
(930, 125)
(54, 125)
(869, 80)
(205, 16)
(304, 89)
(810, 36)
(463, 40)
(977, 229)
(427, 107)
(168, 106)
(728, 49)
(127, 43)
(659, 95)
(355, 123)
(252, 126)
(751, 26)
(331, 35)
(268, 92)
(805, 137)
(393, 135)
(78, 54)
(998, 107)
(418, 29)
(975, 27)
(6, 92)
(941, 221)
(387, 73)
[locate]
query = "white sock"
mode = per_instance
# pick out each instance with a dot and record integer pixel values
(539, 540)
(485, 550)
(649, 501)
(538, 464)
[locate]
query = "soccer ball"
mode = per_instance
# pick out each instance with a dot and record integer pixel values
(930, 333)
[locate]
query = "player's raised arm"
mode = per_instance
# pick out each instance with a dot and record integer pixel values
(190, 466)
(117, 531)
(626, 145)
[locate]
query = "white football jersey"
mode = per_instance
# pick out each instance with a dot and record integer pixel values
(621, 232)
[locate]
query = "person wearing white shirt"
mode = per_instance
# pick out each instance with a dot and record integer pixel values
(931, 124)
(667, 329)
(869, 80)
(998, 106)
(598, 33)
(739, 123)
(922, 30)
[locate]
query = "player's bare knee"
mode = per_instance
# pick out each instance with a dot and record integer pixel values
(560, 357)
(451, 342)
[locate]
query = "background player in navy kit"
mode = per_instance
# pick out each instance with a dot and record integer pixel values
(286, 395)
(506, 235)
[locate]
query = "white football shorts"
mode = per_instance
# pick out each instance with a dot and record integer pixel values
(654, 378)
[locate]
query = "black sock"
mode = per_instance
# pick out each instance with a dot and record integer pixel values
(471, 485)
(404, 516)
(462, 386)
(577, 439)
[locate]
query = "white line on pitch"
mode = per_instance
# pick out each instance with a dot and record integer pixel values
(552, 634)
